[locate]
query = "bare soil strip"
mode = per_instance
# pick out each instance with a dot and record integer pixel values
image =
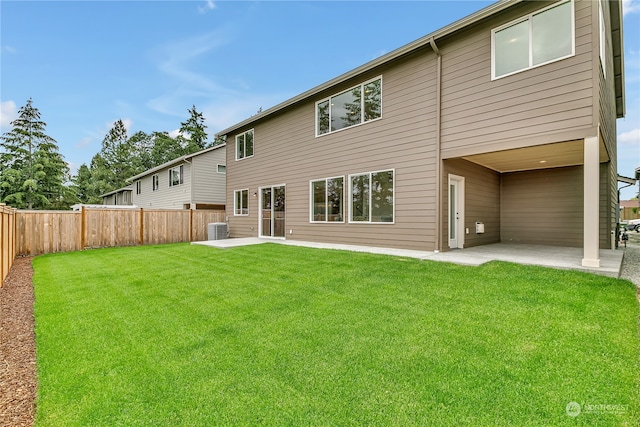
(18, 381)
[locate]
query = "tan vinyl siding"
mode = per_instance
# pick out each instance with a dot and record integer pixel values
(479, 114)
(287, 152)
(543, 207)
(208, 185)
(482, 202)
(608, 203)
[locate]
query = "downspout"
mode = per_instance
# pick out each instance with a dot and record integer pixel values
(438, 171)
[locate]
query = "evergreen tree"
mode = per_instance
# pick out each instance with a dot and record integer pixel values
(84, 187)
(165, 148)
(33, 173)
(194, 130)
(118, 159)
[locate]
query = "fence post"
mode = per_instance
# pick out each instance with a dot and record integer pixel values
(83, 227)
(3, 250)
(141, 237)
(190, 225)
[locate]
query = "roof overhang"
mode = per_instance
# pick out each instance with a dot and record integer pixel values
(429, 39)
(617, 38)
(119, 190)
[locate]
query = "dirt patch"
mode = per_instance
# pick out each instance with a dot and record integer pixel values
(18, 381)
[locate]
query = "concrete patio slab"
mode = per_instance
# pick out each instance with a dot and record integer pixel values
(546, 256)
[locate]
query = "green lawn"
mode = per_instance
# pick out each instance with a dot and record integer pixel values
(277, 335)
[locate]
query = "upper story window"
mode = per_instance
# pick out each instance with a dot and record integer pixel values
(371, 197)
(536, 39)
(244, 145)
(354, 106)
(155, 182)
(222, 169)
(327, 197)
(138, 187)
(176, 176)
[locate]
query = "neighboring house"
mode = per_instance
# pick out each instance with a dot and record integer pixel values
(194, 181)
(500, 127)
(121, 196)
(629, 209)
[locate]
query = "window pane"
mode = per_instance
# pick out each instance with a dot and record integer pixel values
(181, 175)
(323, 117)
(552, 34)
(335, 194)
(319, 201)
(245, 202)
(382, 196)
(174, 176)
(360, 198)
(511, 48)
(238, 203)
(346, 109)
(372, 103)
(249, 144)
(240, 146)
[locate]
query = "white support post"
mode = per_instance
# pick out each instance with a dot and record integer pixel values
(591, 193)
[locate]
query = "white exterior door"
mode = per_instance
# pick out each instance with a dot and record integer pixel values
(456, 211)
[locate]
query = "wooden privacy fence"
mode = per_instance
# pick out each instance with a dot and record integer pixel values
(627, 214)
(41, 232)
(7, 240)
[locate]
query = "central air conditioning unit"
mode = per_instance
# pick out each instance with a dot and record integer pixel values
(217, 231)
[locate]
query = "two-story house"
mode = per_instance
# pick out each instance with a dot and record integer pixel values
(194, 181)
(500, 127)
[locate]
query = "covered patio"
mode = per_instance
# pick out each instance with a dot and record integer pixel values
(559, 194)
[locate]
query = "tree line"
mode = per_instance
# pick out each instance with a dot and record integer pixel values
(34, 175)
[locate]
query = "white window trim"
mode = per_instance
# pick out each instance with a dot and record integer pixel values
(328, 98)
(218, 169)
(603, 38)
(181, 171)
(311, 220)
(245, 146)
(394, 198)
(529, 18)
(235, 200)
(138, 187)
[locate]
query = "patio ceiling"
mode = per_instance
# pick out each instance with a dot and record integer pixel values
(547, 156)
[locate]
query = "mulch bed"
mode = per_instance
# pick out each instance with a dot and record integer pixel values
(17, 347)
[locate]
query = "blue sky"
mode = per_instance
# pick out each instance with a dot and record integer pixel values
(89, 63)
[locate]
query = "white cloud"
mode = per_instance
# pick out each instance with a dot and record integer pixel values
(630, 6)
(174, 133)
(631, 137)
(208, 5)
(84, 142)
(8, 113)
